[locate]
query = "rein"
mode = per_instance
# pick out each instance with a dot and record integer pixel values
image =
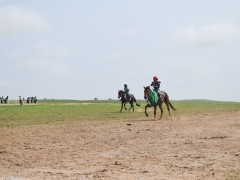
(121, 94)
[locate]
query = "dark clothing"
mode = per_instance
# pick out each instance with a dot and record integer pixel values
(156, 85)
(20, 100)
(126, 90)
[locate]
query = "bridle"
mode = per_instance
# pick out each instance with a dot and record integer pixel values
(120, 93)
(147, 92)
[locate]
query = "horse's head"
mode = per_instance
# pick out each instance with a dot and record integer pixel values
(147, 91)
(120, 93)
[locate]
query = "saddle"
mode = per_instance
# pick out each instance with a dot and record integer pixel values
(161, 95)
(128, 97)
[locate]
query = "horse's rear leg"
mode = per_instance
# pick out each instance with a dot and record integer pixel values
(161, 111)
(168, 108)
(125, 106)
(131, 107)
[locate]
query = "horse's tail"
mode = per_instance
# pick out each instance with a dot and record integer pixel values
(172, 106)
(168, 100)
(134, 99)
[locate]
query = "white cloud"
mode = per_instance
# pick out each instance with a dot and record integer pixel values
(208, 35)
(14, 20)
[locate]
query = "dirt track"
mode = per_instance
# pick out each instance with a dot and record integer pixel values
(198, 147)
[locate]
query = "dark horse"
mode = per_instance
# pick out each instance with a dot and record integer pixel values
(127, 99)
(165, 99)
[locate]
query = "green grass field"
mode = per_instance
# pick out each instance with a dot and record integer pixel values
(65, 111)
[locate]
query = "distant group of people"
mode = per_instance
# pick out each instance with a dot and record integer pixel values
(30, 100)
(3, 100)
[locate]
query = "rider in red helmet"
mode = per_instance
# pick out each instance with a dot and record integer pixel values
(156, 85)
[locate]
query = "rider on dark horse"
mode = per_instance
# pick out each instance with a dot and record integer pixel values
(125, 97)
(156, 86)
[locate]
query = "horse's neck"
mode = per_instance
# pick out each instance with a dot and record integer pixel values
(150, 92)
(123, 93)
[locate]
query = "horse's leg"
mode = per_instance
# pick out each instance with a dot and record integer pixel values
(121, 107)
(146, 109)
(155, 109)
(168, 108)
(131, 106)
(168, 104)
(125, 106)
(161, 109)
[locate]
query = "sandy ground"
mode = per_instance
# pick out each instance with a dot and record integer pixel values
(198, 147)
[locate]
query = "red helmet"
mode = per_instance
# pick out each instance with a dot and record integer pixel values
(155, 78)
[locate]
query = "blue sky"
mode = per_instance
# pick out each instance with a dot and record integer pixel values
(85, 49)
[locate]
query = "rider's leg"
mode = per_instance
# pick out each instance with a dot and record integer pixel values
(128, 97)
(160, 95)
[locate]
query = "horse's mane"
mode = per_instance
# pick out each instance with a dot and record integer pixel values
(122, 91)
(148, 87)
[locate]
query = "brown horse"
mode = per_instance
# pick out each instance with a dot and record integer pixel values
(127, 99)
(159, 102)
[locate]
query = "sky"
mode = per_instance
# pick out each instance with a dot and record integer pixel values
(78, 49)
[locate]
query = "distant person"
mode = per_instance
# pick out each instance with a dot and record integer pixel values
(35, 100)
(6, 100)
(28, 100)
(156, 86)
(21, 100)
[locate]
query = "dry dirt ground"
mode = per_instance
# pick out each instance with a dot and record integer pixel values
(203, 146)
